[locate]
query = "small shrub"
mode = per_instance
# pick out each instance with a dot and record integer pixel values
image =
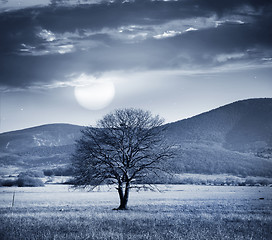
(48, 172)
(8, 183)
(35, 174)
(264, 182)
(250, 181)
(70, 181)
(63, 171)
(188, 180)
(59, 171)
(27, 181)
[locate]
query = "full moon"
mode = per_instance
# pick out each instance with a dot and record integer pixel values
(96, 95)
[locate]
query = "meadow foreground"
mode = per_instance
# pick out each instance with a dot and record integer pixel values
(178, 212)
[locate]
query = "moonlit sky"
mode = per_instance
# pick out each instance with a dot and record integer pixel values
(175, 58)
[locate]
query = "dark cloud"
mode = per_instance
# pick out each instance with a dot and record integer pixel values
(229, 6)
(35, 50)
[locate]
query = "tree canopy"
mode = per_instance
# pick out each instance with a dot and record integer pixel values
(124, 147)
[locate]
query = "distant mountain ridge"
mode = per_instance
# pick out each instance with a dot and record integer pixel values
(45, 135)
(42, 146)
(234, 139)
(228, 139)
(243, 125)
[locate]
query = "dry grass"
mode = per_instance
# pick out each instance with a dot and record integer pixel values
(180, 213)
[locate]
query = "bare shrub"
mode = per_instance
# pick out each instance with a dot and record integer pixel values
(27, 181)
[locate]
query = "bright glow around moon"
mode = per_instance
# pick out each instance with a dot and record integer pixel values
(96, 95)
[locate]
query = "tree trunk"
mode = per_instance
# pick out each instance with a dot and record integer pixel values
(123, 197)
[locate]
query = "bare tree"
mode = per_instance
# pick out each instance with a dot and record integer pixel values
(124, 147)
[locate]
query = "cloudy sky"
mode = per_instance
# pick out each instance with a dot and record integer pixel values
(74, 61)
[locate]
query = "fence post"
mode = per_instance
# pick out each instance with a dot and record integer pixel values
(13, 199)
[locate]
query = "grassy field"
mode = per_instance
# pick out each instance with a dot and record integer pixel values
(178, 212)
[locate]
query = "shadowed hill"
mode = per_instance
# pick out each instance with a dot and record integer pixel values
(46, 135)
(243, 126)
(42, 146)
(235, 139)
(229, 139)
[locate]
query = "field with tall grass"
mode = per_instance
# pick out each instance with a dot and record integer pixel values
(175, 212)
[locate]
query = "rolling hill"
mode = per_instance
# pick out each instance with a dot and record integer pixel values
(38, 147)
(233, 139)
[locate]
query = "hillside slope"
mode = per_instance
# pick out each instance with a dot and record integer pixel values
(42, 146)
(234, 139)
(244, 126)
